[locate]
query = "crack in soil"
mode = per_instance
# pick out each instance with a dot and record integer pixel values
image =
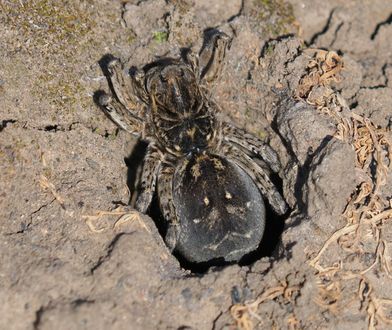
(325, 29)
(214, 322)
(388, 21)
(25, 226)
(102, 259)
(38, 317)
(6, 122)
(54, 304)
(386, 80)
(54, 128)
(335, 33)
(232, 18)
(81, 301)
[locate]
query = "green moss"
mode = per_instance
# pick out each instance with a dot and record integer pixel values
(262, 134)
(98, 131)
(160, 36)
(63, 91)
(278, 15)
(266, 3)
(59, 31)
(113, 135)
(269, 49)
(130, 38)
(46, 21)
(47, 172)
(248, 113)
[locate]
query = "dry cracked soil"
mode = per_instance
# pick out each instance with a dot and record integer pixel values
(311, 77)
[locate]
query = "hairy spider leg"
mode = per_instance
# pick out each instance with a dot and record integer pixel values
(128, 89)
(212, 55)
(151, 165)
(252, 144)
(165, 195)
(121, 116)
(267, 188)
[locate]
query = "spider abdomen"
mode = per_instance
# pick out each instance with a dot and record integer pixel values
(220, 210)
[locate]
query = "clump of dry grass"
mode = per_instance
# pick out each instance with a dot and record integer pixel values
(323, 69)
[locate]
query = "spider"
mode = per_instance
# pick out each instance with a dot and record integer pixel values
(211, 177)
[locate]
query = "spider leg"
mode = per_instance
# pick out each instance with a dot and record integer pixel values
(152, 162)
(252, 145)
(193, 60)
(126, 88)
(259, 176)
(212, 54)
(120, 115)
(165, 193)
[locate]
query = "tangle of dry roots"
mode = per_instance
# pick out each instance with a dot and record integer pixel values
(368, 211)
(243, 313)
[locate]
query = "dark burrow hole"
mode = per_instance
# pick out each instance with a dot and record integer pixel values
(269, 246)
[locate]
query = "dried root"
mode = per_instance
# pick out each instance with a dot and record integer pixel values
(122, 215)
(244, 313)
(45, 184)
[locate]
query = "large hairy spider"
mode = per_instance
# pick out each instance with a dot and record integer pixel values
(210, 176)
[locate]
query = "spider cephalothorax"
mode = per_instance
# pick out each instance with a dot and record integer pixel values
(180, 114)
(210, 177)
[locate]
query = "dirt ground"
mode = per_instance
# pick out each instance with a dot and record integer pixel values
(312, 77)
